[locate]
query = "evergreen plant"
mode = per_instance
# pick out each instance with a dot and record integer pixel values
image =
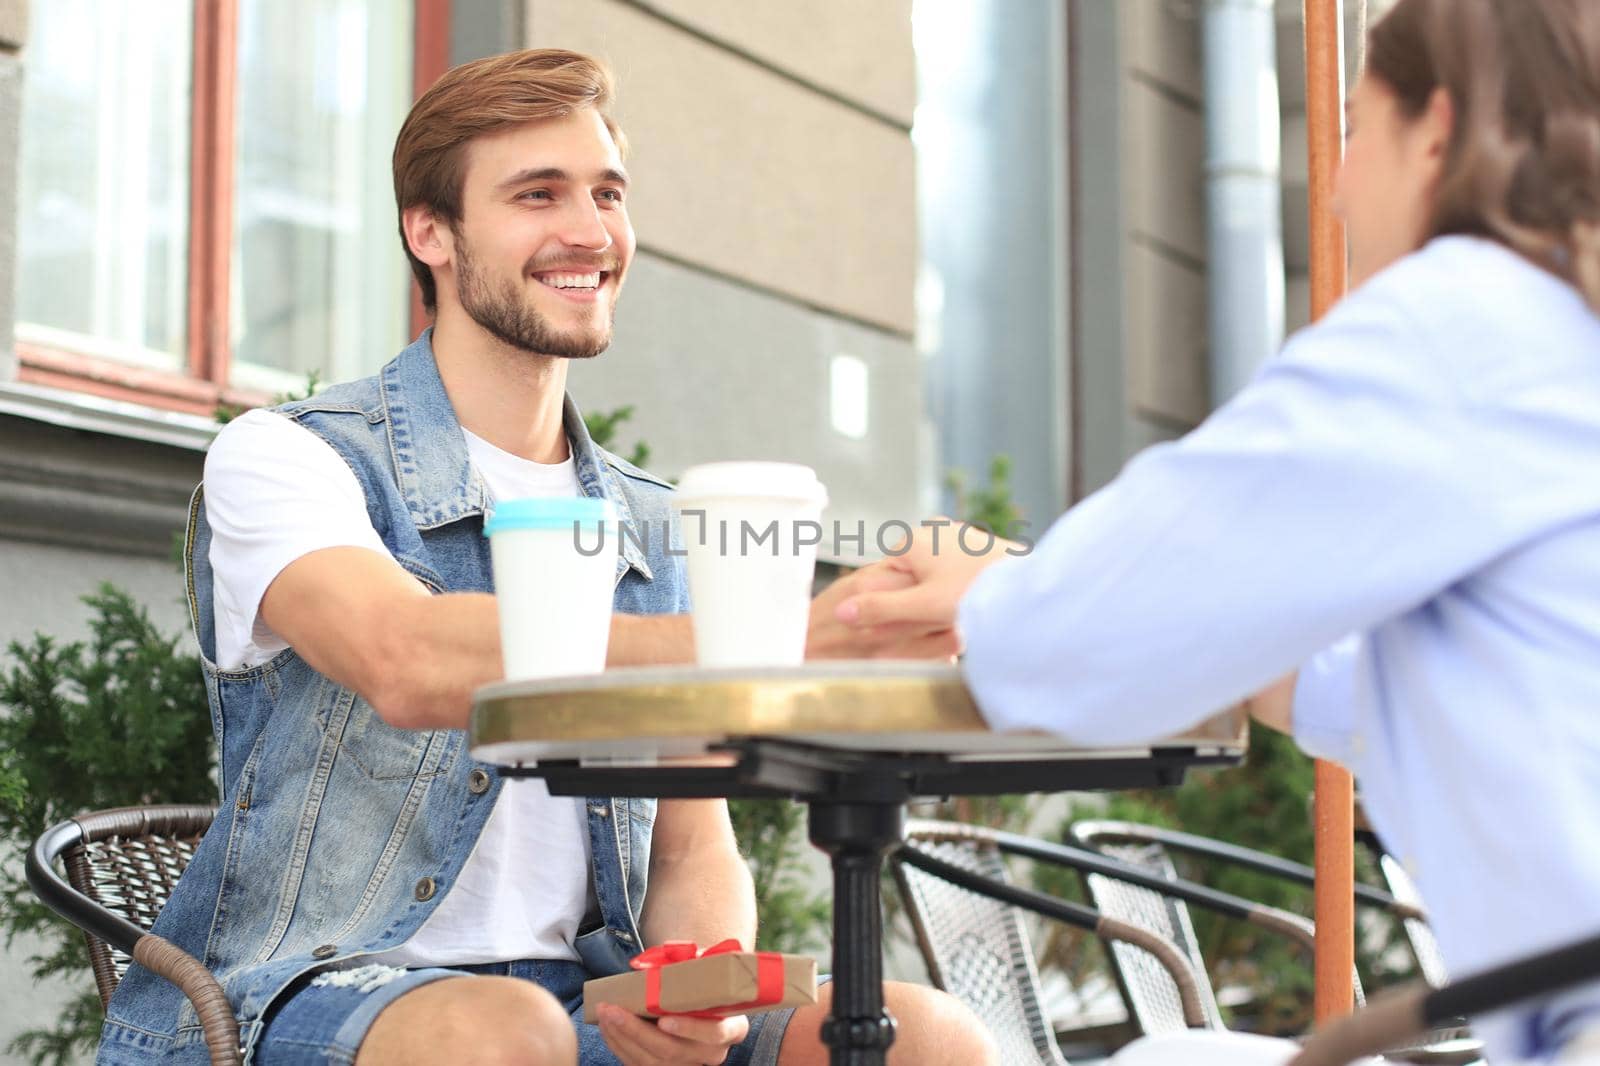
(115, 720)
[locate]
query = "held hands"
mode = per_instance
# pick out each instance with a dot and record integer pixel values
(904, 606)
(669, 1041)
(828, 638)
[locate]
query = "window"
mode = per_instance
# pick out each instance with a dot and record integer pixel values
(104, 181)
(206, 208)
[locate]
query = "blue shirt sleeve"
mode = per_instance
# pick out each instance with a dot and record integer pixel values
(1325, 700)
(1349, 483)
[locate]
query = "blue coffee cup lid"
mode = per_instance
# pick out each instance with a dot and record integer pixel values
(549, 512)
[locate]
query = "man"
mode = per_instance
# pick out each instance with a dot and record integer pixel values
(368, 893)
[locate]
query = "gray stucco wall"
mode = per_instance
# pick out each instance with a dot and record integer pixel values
(1139, 268)
(717, 370)
(777, 230)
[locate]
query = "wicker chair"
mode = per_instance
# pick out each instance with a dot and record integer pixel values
(964, 911)
(1164, 906)
(121, 866)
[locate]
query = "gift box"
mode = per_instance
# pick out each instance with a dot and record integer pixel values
(678, 978)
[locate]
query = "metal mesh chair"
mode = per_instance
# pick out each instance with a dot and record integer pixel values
(963, 909)
(976, 947)
(1450, 1043)
(1419, 937)
(1149, 847)
(121, 866)
(1147, 990)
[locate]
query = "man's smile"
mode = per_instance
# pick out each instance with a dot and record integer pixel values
(577, 287)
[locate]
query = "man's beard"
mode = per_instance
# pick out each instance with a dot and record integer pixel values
(507, 313)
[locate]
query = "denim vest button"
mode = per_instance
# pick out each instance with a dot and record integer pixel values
(623, 935)
(600, 810)
(477, 782)
(326, 951)
(425, 889)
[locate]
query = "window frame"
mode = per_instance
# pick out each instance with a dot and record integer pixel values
(203, 384)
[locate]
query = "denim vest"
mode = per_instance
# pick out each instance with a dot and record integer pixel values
(339, 834)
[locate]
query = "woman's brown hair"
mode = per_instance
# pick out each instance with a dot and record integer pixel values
(1523, 165)
(479, 98)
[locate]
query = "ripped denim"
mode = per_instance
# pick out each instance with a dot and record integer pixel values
(325, 1019)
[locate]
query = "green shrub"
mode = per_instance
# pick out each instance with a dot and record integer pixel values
(225, 413)
(772, 837)
(115, 720)
(602, 426)
(990, 506)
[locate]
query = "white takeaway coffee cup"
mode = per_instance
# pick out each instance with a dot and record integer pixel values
(750, 532)
(555, 566)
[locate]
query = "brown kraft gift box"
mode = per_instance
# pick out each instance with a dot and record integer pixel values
(712, 983)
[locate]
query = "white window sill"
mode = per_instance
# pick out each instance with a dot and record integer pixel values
(116, 418)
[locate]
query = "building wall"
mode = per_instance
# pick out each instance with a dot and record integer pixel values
(1139, 278)
(993, 289)
(1107, 425)
(772, 193)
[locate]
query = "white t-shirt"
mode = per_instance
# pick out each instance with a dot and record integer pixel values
(275, 491)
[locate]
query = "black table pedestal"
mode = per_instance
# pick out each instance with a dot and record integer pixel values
(857, 814)
(856, 836)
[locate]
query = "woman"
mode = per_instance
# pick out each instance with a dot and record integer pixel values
(1404, 506)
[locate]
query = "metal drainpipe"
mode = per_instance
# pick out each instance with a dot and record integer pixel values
(1244, 221)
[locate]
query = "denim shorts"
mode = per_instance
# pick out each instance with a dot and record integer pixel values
(325, 1018)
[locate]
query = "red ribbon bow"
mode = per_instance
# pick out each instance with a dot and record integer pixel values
(769, 975)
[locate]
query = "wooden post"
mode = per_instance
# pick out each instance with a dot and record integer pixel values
(211, 155)
(430, 59)
(1334, 813)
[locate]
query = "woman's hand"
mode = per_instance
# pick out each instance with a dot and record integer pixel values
(828, 638)
(906, 605)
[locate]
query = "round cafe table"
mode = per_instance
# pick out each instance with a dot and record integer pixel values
(854, 741)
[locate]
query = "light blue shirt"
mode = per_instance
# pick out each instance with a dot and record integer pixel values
(1405, 505)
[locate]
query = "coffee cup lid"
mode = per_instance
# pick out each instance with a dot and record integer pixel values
(548, 512)
(788, 481)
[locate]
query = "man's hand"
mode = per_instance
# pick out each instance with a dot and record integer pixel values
(676, 1040)
(700, 886)
(905, 606)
